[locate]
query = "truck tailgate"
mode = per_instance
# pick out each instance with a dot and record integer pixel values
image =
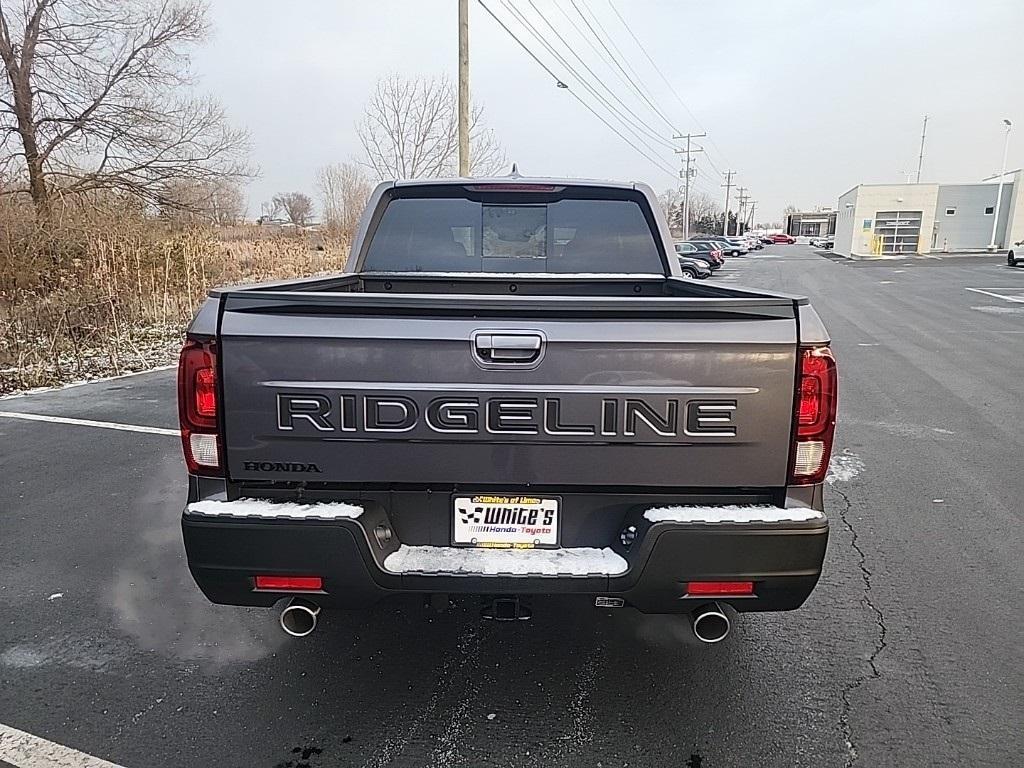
(681, 393)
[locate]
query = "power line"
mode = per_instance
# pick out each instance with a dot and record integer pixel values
(666, 81)
(625, 119)
(593, 46)
(576, 96)
(636, 84)
(629, 121)
(630, 82)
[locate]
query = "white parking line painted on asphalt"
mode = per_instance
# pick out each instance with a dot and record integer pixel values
(23, 750)
(88, 423)
(1015, 299)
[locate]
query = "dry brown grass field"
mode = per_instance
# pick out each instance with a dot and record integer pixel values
(100, 290)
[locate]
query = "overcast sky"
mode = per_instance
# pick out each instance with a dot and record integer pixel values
(804, 98)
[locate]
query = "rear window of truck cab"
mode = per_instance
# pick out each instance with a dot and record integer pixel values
(506, 234)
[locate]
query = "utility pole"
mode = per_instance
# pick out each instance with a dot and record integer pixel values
(920, 157)
(742, 196)
(464, 88)
(999, 195)
(750, 221)
(687, 173)
(728, 185)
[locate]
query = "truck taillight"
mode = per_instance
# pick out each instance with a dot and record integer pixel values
(815, 416)
(197, 407)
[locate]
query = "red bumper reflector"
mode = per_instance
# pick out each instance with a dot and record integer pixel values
(290, 583)
(705, 588)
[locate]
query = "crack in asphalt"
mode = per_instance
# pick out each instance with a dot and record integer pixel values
(880, 645)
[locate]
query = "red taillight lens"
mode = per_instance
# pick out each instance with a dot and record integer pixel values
(197, 407)
(815, 416)
(711, 588)
(811, 395)
(290, 583)
(205, 392)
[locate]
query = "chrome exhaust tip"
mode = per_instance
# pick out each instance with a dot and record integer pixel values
(710, 624)
(298, 618)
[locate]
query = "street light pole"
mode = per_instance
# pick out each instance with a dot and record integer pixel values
(464, 88)
(920, 157)
(999, 195)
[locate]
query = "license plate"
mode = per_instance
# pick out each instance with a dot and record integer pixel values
(510, 522)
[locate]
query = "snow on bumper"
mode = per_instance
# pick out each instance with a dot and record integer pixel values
(754, 513)
(570, 561)
(271, 510)
(781, 550)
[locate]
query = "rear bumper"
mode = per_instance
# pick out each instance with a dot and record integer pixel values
(783, 559)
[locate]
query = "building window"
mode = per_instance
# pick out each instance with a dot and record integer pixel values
(990, 210)
(951, 211)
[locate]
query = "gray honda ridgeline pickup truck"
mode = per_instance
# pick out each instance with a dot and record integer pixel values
(511, 391)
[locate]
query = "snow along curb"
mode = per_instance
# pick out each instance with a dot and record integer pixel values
(731, 514)
(571, 561)
(69, 385)
(274, 510)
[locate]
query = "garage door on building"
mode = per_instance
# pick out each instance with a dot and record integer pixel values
(896, 232)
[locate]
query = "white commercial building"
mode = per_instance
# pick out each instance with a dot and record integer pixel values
(877, 220)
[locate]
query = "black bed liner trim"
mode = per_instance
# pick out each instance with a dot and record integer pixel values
(475, 304)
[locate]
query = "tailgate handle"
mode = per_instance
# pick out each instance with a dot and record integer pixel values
(508, 347)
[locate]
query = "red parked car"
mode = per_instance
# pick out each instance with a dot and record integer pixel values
(781, 238)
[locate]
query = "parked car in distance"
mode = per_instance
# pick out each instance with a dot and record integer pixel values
(781, 237)
(766, 240)
(729, 247)
(704, 250)
(695, 269)
(741, 241)
(823, 242)
(1015, 255)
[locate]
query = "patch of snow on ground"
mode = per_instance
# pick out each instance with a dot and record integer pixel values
(274, 510)
(733, 513)
(56, 596)
(844, 467)
(80, 382)
(572, 561)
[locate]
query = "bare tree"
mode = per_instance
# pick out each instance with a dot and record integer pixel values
(703, 205)
(705, 213)
(343, 189)
(297, 206)
(94, 97)
(209, 202)
(669, 200)
(410, 130)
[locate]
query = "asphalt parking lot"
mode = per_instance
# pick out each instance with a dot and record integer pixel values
(907, 654)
